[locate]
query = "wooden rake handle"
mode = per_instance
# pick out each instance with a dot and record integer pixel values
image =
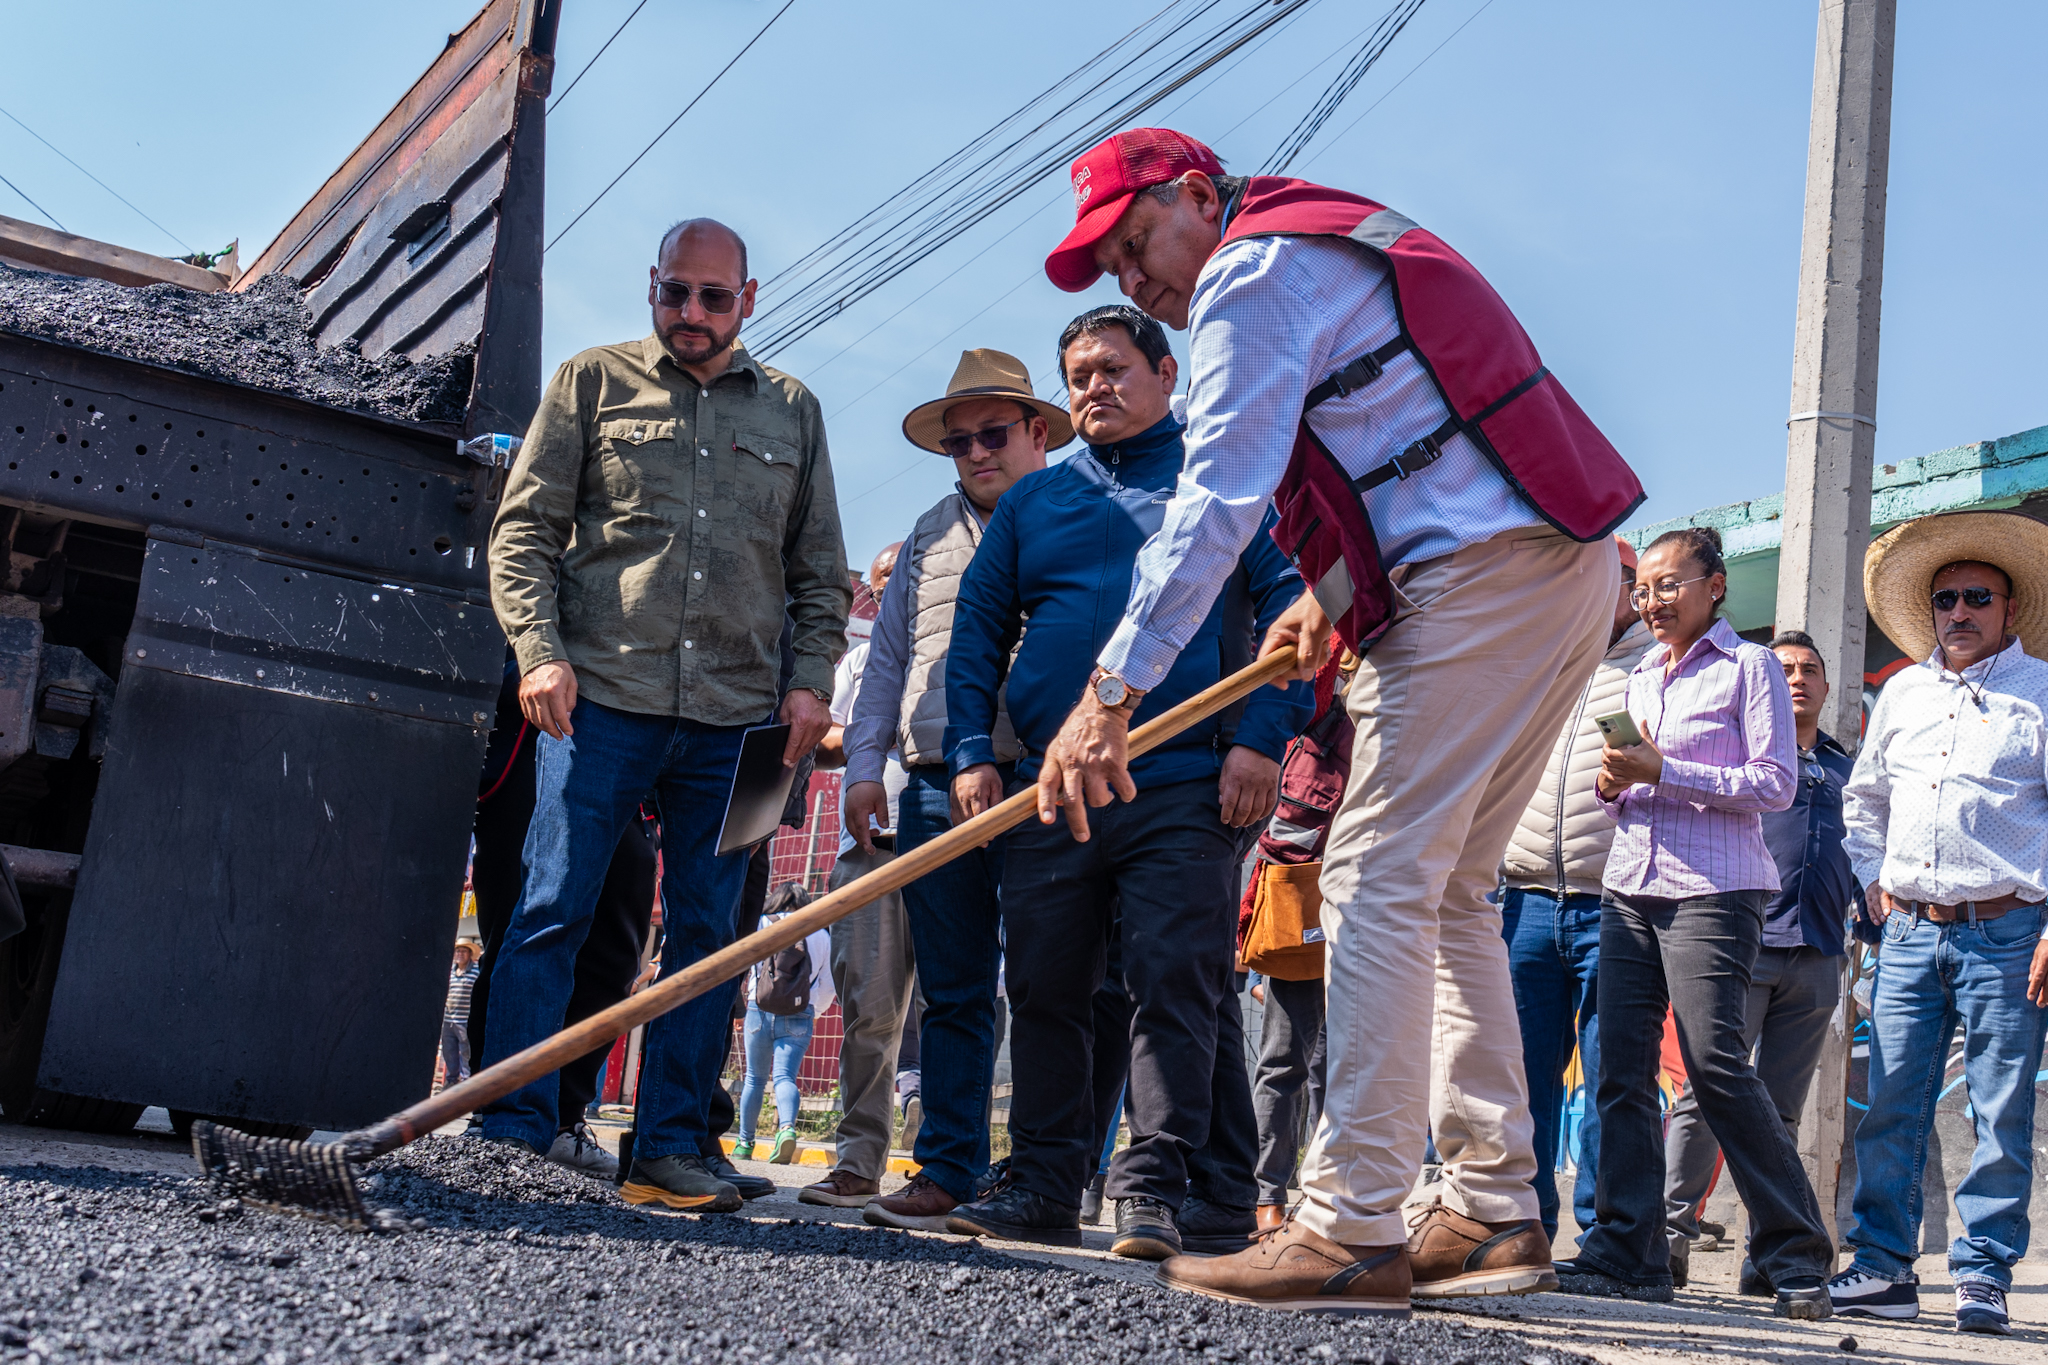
(580, 1039)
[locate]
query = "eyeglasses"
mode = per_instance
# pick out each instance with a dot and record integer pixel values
(991, 439)
(1946, 599)
(673, 294)
(1665, 592)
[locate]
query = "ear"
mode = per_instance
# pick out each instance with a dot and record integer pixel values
(747, 298)
(1169, 373)
(1202, 190)
(1717, 586)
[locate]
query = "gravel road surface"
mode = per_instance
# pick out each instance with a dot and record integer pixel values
(518, 1260)
(261, 338)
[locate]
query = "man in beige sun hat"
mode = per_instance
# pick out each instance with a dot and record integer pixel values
(1947, 819)
(995, 430)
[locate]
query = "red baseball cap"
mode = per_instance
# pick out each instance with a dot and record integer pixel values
(1106, 176)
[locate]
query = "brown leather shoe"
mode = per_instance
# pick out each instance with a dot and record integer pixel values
(1270, 1216)
(840, 1190)
(920, 1204)
(1451, 1255)
(1295, 1270)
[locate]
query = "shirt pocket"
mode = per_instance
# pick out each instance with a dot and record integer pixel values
(635, 455)
(765, 475)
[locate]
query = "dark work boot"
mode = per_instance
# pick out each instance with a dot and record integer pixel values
(1145, 1230)
(1015, 1215)
(1208, 1229)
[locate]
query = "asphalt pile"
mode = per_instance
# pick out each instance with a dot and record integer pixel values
(262, 338)
(513, 1259)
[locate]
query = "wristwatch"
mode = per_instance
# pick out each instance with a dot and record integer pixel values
(820, 693)
(1113, 692)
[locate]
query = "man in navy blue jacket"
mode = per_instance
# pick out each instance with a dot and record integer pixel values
(1055, 566)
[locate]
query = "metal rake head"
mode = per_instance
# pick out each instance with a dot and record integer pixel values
(317, 1179)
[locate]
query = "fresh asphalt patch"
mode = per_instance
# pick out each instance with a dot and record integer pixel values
(513, 1259)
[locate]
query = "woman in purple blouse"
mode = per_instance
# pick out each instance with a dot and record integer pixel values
(1680, 924)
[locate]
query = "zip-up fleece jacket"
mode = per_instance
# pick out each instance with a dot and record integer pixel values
(1562, 841)
(1055, 563)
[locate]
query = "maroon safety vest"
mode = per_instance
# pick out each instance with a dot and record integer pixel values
(1485, 368)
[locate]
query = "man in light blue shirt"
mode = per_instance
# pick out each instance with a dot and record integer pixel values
(1497, 622)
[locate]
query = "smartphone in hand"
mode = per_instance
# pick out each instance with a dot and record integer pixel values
(1619, 730)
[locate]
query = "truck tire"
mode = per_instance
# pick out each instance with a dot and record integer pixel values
(28, 978)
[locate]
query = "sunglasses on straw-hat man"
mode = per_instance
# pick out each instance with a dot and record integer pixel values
(1900, 569)
(984, 375)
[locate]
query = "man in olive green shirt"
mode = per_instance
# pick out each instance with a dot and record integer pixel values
(672, 503)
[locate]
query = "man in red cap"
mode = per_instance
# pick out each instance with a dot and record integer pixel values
(1450, 506)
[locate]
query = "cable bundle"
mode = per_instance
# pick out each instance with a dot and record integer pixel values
(1109, 92)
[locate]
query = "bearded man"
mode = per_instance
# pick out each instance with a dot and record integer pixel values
(687, 495)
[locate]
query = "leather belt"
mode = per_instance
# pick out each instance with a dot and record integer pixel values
(1968, 912)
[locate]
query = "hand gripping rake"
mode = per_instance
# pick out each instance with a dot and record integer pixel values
(320, 1179)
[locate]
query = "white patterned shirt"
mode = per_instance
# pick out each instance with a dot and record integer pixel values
(1949, 800)
(1271, 318)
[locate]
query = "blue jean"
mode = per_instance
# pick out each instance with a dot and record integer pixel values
(775, 1043)
(587, 786)
(1554, 961)
(1929, 978)
(956, 933)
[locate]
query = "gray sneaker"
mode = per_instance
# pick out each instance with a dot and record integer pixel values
(680, 1182)
(577, 1150)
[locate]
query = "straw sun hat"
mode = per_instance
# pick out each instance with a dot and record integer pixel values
(1898, 573)
(985, 374)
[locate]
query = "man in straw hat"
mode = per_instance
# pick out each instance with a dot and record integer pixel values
(1057, 565)
(1450, 507)
(1947, 816)
(995, 431)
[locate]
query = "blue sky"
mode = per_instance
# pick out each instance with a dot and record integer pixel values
(1629, 176)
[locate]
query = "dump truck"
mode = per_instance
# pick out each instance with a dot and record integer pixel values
(247, 657)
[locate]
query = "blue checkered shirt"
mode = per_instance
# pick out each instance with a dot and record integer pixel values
(1271, 318)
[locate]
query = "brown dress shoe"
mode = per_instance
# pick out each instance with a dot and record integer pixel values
(920, 1204)
(840, 1190)
(1451, 1255)
(1295, 1270)
(1270, 1216)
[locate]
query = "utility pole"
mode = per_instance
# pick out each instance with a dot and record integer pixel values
(1832, 432)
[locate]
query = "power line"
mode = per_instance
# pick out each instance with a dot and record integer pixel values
(593, 61)
(671, 123)
(1398, 84)
(95, 180)
(1375, 46)
(1172, 49)
(32, 203)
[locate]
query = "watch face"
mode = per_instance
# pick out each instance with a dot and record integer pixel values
(1111, 691)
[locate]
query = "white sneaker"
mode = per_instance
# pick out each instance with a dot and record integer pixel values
(1980, 1307)
(577, 1150)
(1858, 1293)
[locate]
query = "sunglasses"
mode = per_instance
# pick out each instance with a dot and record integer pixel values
(672, 294)
(990, 439)
(1946, 599)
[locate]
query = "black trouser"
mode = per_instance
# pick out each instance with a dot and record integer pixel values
(1696, 955)
(1172, 863)
(1221, 1169)
(1292, 1048)
(609, 958)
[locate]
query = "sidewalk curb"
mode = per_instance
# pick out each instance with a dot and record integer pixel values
(814, 1154)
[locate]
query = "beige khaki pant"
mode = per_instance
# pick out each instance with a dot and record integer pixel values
(1457, 707)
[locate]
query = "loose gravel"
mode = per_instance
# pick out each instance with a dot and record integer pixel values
(262, 338)
(513, 1259)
